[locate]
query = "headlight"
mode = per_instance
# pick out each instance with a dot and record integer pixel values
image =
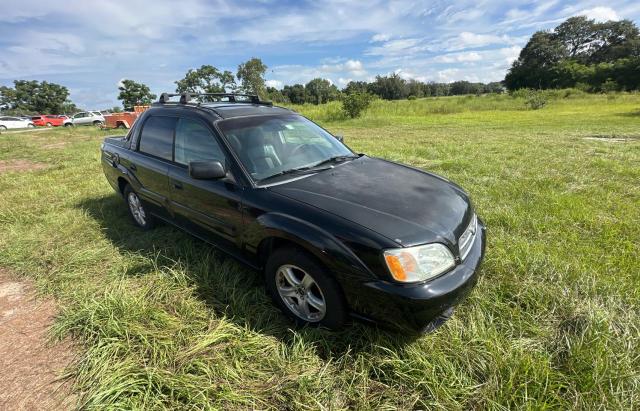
(418, 263)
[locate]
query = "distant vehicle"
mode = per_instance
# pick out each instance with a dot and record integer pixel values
(48, 120)
(335, 233)
(85, 118)
(8, 122)
(124, 119)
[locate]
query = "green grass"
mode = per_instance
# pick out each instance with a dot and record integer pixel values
(163, 321)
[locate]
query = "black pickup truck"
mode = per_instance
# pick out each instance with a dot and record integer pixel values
(336, 234)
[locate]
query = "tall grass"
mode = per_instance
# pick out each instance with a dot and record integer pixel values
(164, 322)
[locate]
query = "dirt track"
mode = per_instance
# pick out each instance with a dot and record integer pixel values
(30, 366)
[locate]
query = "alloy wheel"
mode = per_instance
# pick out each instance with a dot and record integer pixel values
(300, 293)
(136, 209)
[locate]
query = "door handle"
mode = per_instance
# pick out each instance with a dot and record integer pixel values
(133, 167)
(177, 185)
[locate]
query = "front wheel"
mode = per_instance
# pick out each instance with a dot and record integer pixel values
(31, 125)
(97, 123)
(304, 290)
(49, 125)
(141, 217)
(3, 128)
(68, 124)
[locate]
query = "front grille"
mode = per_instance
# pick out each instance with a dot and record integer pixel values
(467, 238)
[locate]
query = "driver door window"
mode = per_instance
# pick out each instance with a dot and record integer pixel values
(195, 142)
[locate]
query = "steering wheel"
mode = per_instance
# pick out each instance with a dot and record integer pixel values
(298, 148)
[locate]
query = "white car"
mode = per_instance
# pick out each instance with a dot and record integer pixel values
(85, 118)
(7, 122)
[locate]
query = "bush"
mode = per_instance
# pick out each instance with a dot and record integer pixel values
(536, 99)
(411, 97)
(521, 93)
(609, 86)
(354, 104)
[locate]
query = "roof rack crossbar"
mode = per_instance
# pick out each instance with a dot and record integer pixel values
(186, 97)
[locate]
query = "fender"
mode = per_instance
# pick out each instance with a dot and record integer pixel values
(322, 244)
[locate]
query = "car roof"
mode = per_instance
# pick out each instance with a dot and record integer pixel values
(230, 110)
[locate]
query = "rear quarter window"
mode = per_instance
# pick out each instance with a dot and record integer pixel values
(156, 137)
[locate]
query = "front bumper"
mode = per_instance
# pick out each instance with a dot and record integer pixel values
(413, 307)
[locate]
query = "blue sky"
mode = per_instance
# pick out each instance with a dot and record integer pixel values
(89, 46)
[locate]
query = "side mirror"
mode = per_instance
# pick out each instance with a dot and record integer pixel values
(340, 138)
(207, 170)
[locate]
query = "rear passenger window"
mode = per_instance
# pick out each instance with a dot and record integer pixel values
(195, 142)
(156, 137)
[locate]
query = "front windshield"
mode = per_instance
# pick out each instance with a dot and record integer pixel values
(270, 145)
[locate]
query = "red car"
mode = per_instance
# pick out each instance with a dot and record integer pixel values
(48, 120)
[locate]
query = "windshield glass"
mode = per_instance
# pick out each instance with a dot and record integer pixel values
(269, 145)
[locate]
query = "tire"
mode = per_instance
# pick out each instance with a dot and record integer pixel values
(31, 125)
(68, 124)
(97, 123)
(295, 280)
(49, 125)
(3, 128)
(138, 213)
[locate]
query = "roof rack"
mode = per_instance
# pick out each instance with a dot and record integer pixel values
(186, 98)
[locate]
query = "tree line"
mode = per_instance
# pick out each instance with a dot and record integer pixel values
(580, 53)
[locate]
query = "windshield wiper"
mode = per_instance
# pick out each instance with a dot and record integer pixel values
(299, 170)
(336, 159)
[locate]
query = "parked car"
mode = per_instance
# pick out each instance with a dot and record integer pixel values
(335, 233)
(85, 118)
(7, 122)
(48, 120)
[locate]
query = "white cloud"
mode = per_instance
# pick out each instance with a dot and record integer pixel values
(399, 47)
(468, 39)
(351, 67)
(459, 57)
(600, 14)
(274, 83)
(448, 75)
(380, 37)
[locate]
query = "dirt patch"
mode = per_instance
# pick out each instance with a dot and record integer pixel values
(20, 165)
(31, 366)
(55, 145)
(611, 138)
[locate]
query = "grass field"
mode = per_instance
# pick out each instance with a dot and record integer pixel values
(163, 321)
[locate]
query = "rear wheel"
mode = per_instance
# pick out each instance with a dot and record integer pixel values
(141, 217)
(31, 125)
(304, 290)
(97, 123)
(3, 128)
(68, 124)
(49, 125)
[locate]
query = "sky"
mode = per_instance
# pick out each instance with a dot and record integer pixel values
(90, 46)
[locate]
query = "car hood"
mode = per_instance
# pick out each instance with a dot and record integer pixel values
(404, 204)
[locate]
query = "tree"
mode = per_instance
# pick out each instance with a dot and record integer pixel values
(578, 51)
(533, 67)
(320, 91)
(391, 87)
(295, 94)
(415, 88)
(576, 35)
(276, 95)
(356, 87)
(251, 76)
(34, 97)
(134, 94)
(206, 79)
(355, 103)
